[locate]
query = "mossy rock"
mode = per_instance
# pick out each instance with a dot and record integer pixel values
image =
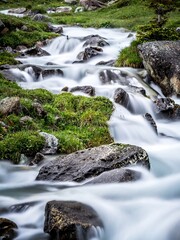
(23, 142)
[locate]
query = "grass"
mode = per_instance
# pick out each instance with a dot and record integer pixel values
(78, 122)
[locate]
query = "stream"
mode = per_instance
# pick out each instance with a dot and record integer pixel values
(148, 209)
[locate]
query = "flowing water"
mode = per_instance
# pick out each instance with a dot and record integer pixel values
(148, 209)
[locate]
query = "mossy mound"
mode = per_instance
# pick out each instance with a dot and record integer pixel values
(78, 122)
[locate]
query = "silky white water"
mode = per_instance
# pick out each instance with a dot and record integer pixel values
(148, 209)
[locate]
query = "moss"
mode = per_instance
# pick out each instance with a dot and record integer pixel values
(7, 58)
(24, 142)
(41, 95)
(129, 57)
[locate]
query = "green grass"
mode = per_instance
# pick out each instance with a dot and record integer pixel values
(77, 121)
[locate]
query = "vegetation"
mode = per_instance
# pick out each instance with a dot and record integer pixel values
(77, 121)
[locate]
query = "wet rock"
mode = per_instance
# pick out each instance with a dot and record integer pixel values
(161, 60)
(17, 10)
(9, 105)
(92, 4)
(91, 162)
(7, 229)
(65, 89)
(21, 48)
(51, 143)
(36, 51)
(150, 119)
(89, 52)
(40, 17)
(54, 29)
(38, 108)
(166, 108)
(108, 63)
(63, 9)
(116, 176)
(11, 77)
(121, 97)
(85, 89)
(39, 157)
(139, 90)
(70, 220)
(50, 72)
(95, 41)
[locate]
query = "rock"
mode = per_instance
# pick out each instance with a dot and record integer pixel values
(108, 63)
(11, 77)
(92, 4)
(65, 89)
(9, 49)
(9, 105)
(89, 52)
(36, 51)
(139, 90)
(70, 220)
(85, 89)
(24, 28)
(39, 157)
(54, 29)
(51, 144)
(40, 17)
(161, 60)
(151, 121)
(178, 29)
(113, 76)
(21, 48)
(17, 10)
(121, 97)
(50, 72)
(38, 108)
(25, 119)
(166, 108)
(63, 9)
(95, 41)
(91, 162)
(7, 229)
(116, 176)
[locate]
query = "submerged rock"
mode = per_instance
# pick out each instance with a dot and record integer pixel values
(7, 229)
(81, 165)
(113, 76)
(161, 60)
(70, 220)
(116, 176)
(88, 53)
(95, 41)
(151, 121)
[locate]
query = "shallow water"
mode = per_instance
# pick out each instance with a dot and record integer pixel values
(148, 209)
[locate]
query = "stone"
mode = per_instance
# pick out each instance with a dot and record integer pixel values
(25, 119)
(116, 176)
(39, 157)
(113, 76)
(24, 28)
(11, 77)
(73, 2)
(89, 52)
(7, 229)
(151, 121)
(63, 9)
(161, 60)
(121, 97)
(81, 165)
(92, 4)
(51, 144)
(50, 72)
(38, 108)
(95, 41)
(79, 9)
(108, 63)
(54, 29)
(85, 89)
(9, 105)
(40, 17)
(36, 51)
(70, 220)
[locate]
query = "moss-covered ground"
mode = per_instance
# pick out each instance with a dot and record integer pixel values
(78, 122)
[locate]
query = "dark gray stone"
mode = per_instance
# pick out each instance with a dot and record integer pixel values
(161, 60)
(116, 176)
(95, 41)
(85, 89)
(36, 51)
(151, 121)
(7, 229)
(91, 162)
(70, 220)
(88, 53)
(9, 105)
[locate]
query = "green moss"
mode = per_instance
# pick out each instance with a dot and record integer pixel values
(7, 58)
(40, 95)
(15, 144)
(129, 57)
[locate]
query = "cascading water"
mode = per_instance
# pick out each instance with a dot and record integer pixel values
(148, 209)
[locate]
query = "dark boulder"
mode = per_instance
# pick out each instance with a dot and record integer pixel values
(109, 76)
(12, 77)
(54, 29)
(161, 60)
(95, 41)
(121, 97)
(70, 220)
(89, 52)
(116, 176)
(40, 17)
(36, 51)
(81, 165)
(7, 229)
(85, 89)
(108, 63)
